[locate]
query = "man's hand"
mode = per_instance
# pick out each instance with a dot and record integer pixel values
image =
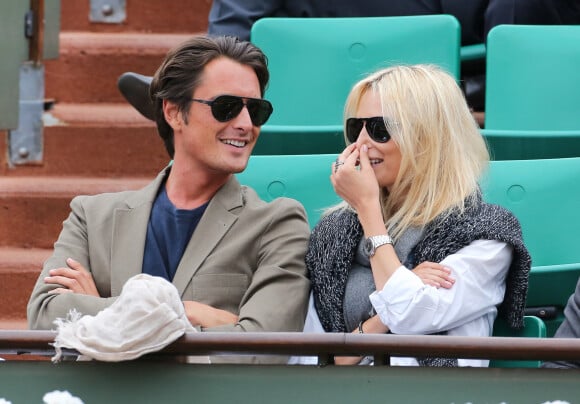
(73, 279)
(206, 316)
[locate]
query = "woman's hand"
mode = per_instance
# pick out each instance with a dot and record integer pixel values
(354, 180)
(434, 274)
(373, 325)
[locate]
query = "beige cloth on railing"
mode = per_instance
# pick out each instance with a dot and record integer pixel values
(147, 316)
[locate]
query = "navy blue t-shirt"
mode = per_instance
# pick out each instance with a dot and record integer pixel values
(168, 233)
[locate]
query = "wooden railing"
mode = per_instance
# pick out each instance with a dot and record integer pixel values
(169, 378)
(325, 345)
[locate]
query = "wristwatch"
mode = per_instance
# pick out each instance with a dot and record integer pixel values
(373, 242)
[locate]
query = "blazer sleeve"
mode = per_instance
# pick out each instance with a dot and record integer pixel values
(44, 307)
(277, 297)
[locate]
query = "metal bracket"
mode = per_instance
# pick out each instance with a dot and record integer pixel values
(25, 143)
(108, 11)
(29, 24)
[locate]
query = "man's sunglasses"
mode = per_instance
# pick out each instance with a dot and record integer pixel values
(226, 107)
(375, 126)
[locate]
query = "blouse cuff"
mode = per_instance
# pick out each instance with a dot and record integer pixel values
(395, 294)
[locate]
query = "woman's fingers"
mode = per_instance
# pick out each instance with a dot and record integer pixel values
(342, 157)
(434, 274)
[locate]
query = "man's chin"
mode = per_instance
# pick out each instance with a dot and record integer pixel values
(238, 168)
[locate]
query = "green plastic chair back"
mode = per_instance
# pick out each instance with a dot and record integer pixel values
(534, 327)
(301, 177)
(532, 144)
(532, 107)
(545, 197)
(309, 139)
(533, 80)
(314, 63)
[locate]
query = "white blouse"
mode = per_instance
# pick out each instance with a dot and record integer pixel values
(469, 308)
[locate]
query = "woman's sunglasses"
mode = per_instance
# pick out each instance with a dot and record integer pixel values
(375, 126)
(226, 107)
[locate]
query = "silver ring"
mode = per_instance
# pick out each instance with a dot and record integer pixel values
(337, 164)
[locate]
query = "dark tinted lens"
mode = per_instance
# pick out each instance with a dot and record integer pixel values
(226, 107)
(353, 128)
(260, 111)
(377, 130)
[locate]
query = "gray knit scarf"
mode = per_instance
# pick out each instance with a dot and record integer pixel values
(334, 240)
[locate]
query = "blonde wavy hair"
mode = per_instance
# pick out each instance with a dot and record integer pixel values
(443, 152)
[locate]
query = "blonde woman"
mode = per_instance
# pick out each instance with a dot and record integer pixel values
(414, 249)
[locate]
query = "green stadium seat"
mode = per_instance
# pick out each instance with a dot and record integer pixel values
(305, 178)
(314, 62)
(545, 196)
(534, 327)
(532, 144)
(532, 107)
(304, 139)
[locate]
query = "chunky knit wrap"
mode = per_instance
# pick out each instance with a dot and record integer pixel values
(334, 241)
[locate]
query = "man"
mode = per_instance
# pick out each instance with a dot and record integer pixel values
(237, 261)
(570, 328)
(233, 17)
(477, 17)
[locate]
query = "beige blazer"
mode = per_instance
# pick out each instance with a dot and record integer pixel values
(245, 256)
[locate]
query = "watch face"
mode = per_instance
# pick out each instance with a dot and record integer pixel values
(368, 247)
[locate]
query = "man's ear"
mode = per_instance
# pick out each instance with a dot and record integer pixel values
(172, 115)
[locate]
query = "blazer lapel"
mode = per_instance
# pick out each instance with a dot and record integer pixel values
(215, 223)
(129, 233)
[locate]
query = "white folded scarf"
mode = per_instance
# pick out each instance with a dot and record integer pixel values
(147, 316)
